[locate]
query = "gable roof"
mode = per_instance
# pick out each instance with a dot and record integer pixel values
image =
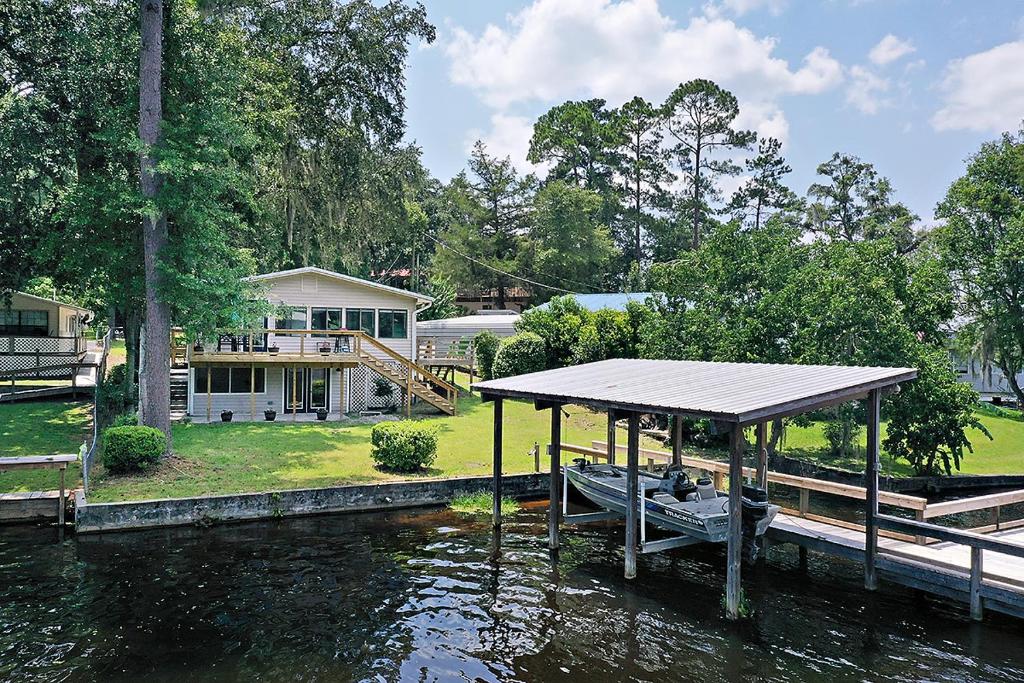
(44, 300)
(313, 270)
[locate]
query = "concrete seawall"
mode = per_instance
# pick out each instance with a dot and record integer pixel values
(98, 517)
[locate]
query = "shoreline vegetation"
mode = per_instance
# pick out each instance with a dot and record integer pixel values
(259, 456)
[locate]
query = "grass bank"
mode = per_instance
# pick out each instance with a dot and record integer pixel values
(42, 428)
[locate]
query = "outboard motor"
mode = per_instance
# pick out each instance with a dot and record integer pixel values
(676, 483)
(755, 508)
(581, 463)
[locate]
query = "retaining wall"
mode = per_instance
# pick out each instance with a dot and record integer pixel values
(96, 517)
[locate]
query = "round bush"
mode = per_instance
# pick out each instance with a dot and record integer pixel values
(403, 446)
(132, 448)
(518, 355)
(485, 345)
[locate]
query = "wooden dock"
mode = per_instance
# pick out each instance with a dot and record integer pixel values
(981, 567)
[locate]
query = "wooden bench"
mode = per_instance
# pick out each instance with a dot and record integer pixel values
(43, 462)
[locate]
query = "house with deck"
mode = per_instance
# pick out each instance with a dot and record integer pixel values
(41, 337)
(333, 343)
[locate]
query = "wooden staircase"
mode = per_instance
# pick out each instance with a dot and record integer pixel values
(416, 379)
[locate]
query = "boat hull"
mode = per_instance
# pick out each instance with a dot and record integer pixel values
(708, 520)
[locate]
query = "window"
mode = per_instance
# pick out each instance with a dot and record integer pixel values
(393, 324)
(25, 323)
(361, 319)
(229, 380)
(326, 319)
(295, 320)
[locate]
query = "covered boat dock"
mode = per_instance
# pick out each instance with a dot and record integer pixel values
(734, 395)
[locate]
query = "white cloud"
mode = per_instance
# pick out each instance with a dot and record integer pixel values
(741, 7)
(866, 90)
(889, 49)
(983, 91)
(554, 50)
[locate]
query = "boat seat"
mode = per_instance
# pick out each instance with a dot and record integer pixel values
(665, 498)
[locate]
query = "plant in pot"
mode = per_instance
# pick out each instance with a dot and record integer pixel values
(270, 414)
(226, 415)
(325, 348)
(198, 346)
(383, 392)
(321, 414)
(273, 349)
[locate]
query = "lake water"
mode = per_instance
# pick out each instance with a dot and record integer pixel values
(412, 596)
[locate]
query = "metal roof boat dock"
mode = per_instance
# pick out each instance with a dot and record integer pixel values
(739, 395)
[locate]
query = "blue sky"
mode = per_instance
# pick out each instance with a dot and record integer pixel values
(913, 86)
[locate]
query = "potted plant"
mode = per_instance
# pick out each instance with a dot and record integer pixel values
(198, 347)
(273, 349)
(321, 414)
(383, 391)
(270, 414)
(226, 415)
(325, 348)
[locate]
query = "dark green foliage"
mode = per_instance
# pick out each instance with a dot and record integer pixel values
(485, 347)
(115, 396)
(519, 354)
(132, 448)
(125, 420)
(930, 416)
(444, 306)
(403, 446)
(842, 431)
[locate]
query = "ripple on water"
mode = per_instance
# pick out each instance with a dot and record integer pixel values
(415, 596)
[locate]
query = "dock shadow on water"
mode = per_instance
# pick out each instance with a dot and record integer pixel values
(415, 596)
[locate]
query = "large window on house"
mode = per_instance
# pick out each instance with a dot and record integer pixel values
(295, 319)
(393, 324)
(326, 319)
(230, 380)
(361, 319)
(25, 323)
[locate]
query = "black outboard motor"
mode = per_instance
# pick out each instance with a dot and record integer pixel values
(676, 483)
(755, 508)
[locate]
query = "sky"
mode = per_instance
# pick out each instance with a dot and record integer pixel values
(912, 86)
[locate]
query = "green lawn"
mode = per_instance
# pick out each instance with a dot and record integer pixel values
(42, 428)
(1003, 454)
(259, 456)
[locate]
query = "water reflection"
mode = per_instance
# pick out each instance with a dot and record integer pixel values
(423, 596)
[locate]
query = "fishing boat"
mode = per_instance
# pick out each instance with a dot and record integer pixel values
(672, 501)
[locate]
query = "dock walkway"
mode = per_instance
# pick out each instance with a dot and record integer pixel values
(943, 568)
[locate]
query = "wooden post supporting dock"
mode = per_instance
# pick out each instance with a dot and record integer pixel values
(632, 490)
(761, 432)
(611, 437)
(496, 477)
(735, 538)
(871, 497)
(555, 451)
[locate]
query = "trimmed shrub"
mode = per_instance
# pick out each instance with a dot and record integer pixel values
(403, 446)
(518, 355)
(485, 345)
(132, 448)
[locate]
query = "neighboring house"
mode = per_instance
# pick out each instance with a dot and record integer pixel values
(987, 379)
(614, 301)
(37, 332)
(516, 299)
(441, 333)
(333, 336)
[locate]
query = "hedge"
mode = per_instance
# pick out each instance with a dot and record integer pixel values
(132, 448)
(403, 446)
(485, 346)
(518, 355)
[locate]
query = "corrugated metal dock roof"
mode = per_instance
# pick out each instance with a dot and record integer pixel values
(733, 392)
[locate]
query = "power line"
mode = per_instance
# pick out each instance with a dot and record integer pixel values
(498, 270)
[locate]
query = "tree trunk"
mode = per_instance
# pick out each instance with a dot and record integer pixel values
(155, 373)
(696, 197)
(1011, 378)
